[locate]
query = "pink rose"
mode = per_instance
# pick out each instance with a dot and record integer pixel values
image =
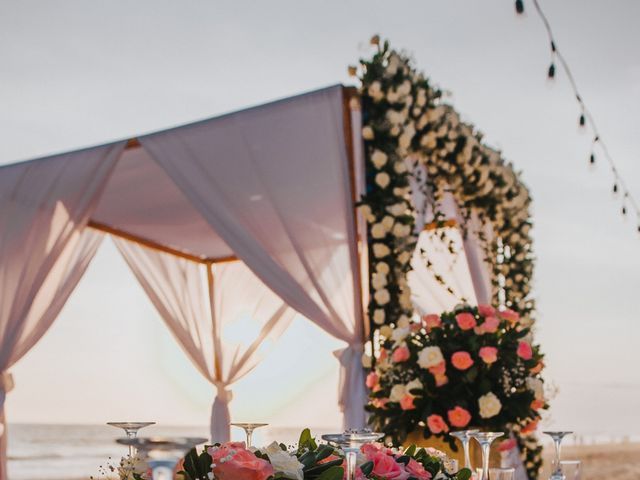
(486, 310)
(466, 321)
(509, 315)
(507, 445)
(431, 321)
(459, 417)
(371, 449)
(490, 325)
(372, 380)
(385, 466)
(439, 369)
(233, 462)
(407, 403)
(400, 354)
(461, 360)
(437, 424)
(525, 351)
(416, 470)
(488, 354)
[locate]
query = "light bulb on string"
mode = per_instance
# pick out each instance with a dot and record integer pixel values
(615, 189)
(551, 73)
(519, 7)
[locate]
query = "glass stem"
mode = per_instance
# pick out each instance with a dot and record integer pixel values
(486, 446)
(467, 458)
(132, 449)
(249, 436)
(351, 465)
(162, 473)
(556, 442)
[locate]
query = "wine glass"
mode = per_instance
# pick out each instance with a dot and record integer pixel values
(248, 430)
(131, 430)
(571, 469)
(501, 473)
(485, 439)
(557, 439)
(465, 437)
(350, 441)
(162, 453)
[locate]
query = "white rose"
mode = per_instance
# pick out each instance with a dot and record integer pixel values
(430, 357)
(383, 179)
(405, 300)
(394, 64)
(366, 361)
(414, 385)
(401, 231)
(387, 222)
(400, 167)
(429, 140)
(536, 386)
(490, 405)
(405, 88)
(397, 209)
(421, 99)
(366, 213)
(394, 117)
(399, 334)
(375, 91)
(367, 133)
(403, 321)
(378, 316)
(380, 250)
(386, 331)
(398, 392)
(283, 462)
(393, 96)
(382, 296)
(378, 231)
(379, 159)
(378, 280)
(395, 131)
(382, 267)
(404, 257)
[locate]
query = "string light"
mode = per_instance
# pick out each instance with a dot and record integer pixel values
(586, 118)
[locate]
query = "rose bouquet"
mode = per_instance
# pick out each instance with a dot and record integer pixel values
(472, 367)
(313, 461)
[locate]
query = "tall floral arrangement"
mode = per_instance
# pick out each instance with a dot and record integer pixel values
(408, 128)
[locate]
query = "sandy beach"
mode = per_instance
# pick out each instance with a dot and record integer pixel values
(619, 461)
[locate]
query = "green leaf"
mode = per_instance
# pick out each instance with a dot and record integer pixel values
(367, 468)
(464, 474)
(411, 451)
(334, 473)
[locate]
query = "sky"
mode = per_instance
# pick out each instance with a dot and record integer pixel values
(79, 73)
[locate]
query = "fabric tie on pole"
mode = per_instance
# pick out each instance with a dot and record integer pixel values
(352, 396)
(220, 416)
(6, 385)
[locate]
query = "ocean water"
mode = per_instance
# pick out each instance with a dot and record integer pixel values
(74, 452)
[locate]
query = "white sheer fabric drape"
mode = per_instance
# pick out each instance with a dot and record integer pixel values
(274, 183)
(44, 207)
(222, 315)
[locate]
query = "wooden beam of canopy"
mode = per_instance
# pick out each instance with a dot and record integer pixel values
(157, 246)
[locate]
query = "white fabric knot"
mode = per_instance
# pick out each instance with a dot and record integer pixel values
(6, 382)
(352, 394)
(223, 394)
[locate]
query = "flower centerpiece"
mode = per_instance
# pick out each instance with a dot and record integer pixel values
(310, 460)
(472, 367)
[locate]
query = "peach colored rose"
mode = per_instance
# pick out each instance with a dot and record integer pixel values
(441, 380)
(416, 470)
(490, 325)
(530, 427)
(459, 417)
(461, 360)
(507, 445)
(488, 354)
(439, 369)
(466, 321)
(407, 403)
(537, 404)
(486, 310)
(400, 354)
(525, 351)
(233, 462)
(379, 402)
(437, 424)
(431, 321)
(509, 315)
(538, 368)
(385, 466)
(372, 380)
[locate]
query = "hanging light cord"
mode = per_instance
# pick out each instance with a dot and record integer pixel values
(586, 117)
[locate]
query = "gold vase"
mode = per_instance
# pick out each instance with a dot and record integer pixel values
(475, 452)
